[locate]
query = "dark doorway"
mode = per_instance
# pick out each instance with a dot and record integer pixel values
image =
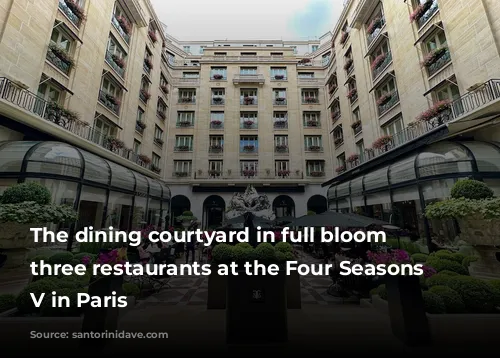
(283, 206)
(214, 208)
(180, 203)
(317, 203)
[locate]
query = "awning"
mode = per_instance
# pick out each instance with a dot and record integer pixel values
(449, 79)
(382, 79)
(114, 81)
(349, 78)
(68, 30)
(59, 84)
(433, 27)
(375, 43)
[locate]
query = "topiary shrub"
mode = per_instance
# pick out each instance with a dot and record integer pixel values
(478, 295)
(223, 253)
(443, 264)
(242, 253)
(380, 291)
(24, 303)
(408, 246)
(244, 245)
(419, 257)
(471, 189)
(187, 213)
(439, 279)
(81, 255)
(283, 247)
(265, 252)
(451, 298)
(7, 302)
(61, 258)
(131, 289)
(32, 191)
(467, 260)
(280, 256)
(449, 273)
(39, 258)
(433, 303)
(495, 284)
(448, 255)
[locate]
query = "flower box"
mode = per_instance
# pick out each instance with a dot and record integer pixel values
(248, 100)
(249, 148)
(145, 94)
(279, 77)
(216, 123)
(75, 8)
(281, 148)
(114, 143)
(420, 10)
(340, 169)
(280, 123)
(182, 148)
(343, 37)
(283, 173)
(141, 124)
(214, 173)
(217, 77)
(158, 141)
(382, 142)
(304, 61)
(314, 148)
(148, 63)
(348, 64)
(124, 24)
(186, 99)
(310, 100)
(312, 123)
(378, 61)
(216, 148)
(217, 99)
(384, 99)
(185, 123)
(181, 174)
(375, 24)
(248, 123)
(248, 173)
(432, 57)
(352, 93)
(155, 169)
(152, 35)
(356, 124)
(164, 88)
(435, 110)
(317, 174)
(353, 158)
(112, 99)
(144, 158)
(120, 62)
(280, 99)
(61, 54)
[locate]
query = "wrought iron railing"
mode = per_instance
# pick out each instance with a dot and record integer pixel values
(440, 63)
(279, 101)
(114, 65)
(67, 11)
(120, 30)
(38, 106)
(389, 104)
(376, 32)
(56, 61)
(106, 100)
(280, 124)
(383, 65)
(428, 14)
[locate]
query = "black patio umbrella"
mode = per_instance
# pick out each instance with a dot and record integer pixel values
(285, 219)
(367, 220)
(241, 220)
(333, 218)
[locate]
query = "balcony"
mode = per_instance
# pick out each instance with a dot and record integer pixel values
(432, 8)
(110, 102)
(14, 95)
(185, 123)
(352, 96)
(335, 115)
(281, 149)
(159, 142)
(116, 63)
(144, 96)
(441, 58)
(279, 101)
(386, 102)
(256, 78)
(249, 149)
(218, 101)
(357, 127)
(218, 77)
(140, 126)
(380, 64)
(312, 123)
(374, 29)
(280, 124)
(73, 11)
(183, 148)
(310, 100)
(216, 124)
(182, 174)
(316, 173)
(279, 78)
(123, 27)
(248, 101)
(338, 141)
(59, 58)
(148, 66)
(187, 100)
(249, 124)
(216, 149)
(314, 149)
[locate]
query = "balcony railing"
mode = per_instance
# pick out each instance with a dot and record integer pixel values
(315, 173)
(70, 14)
(183, 148)
(440, 63)
(281, 148)
(248, 101)
(216, 149)
(120, 30)
(24, 99)
(335, 116)
(310, 100)
(314, 148)
(187, 100)
(218, 101)
(249, 124)
(185, 123)
(382, 66)
(391, 102)
(249, 149)
(218, 77)
(250, 78)
(147, 67)
(56, 61)
(312, 123)
(280, 124)
(110, 60)
(216, 124)
(428, 14)
(376, 31)
(110, 102)
(469, 102)
(279, 101)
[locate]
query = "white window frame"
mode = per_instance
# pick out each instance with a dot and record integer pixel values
(315, 166)
(310, 94)
(216, 140)
(281, 165)
(190, 75)
(394, 127)
(216, 165)
(281, 140)
(313, 140)
(278, 71)
(280, 116)
(249, 140)
(114, 48)
(46, 89)
(311, 116)
(61, 38)
(158, 132)
(109, 87)
(217, 116)
(156, 160)
(185, 116)
(387, 87)
(187, 93)
(181, 140)
(136, 147)
(218, 71)
(247, 71)
(448, 90)
(279, 93)
(249, 165)
(183, 166)
(435, 39)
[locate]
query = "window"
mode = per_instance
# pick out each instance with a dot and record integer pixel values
(281, 166)
(102, 130)
(109, 87)
(248, 120)
(277, 54)
(163, 81)
(310, 96)
(148, 58)
(60, 39)
(115, 49)
(220, 53)
(155, 160)
(294, 49)
(140, 114)
(360, 148)
(182, 166)
(314, 168)
(279, 95)
(187, 49)
(248, 70)
(314, 48)
(190, 75)
(249, 168)
(217, 116)
(249, 53)
(325, 58)
(187, 95)
(249, 144)
(313, 143)
(281, 140)
(338, 135)
(251, 94)
(136, 148)
(278, 73)
(381, 50)
(161, 108)
(356, 116)
(185, 118)
(49, 92)
(158, 133)
(218, 73)
(216, 141)
(341, 160)
(305, 75)
(202, 48)
(435, 41)
(311, 119)
(280, 120)
(387, 88)
(215, 167)
(184, 142)
(394, 127)
(448, 92)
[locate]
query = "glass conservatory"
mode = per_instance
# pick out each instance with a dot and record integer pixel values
(399, 192)
(104, 193)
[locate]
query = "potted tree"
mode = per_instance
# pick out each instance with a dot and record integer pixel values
(24, 206)
(217, 284)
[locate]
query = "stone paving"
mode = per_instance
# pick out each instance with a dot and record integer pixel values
(193, 290)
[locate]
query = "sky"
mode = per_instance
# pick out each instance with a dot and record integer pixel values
(248, 19)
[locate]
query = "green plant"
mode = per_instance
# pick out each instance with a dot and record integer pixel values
(408, 246)
(39, 258)
(283, 247)
(131, 289)
(444, 264)
(61, 258)
(79, 256)
(24, 303)
(265, 252)
(468, 259)
(280, 256)
(449, 273)
(289, 256)
(31, 191)
(244, 245)
(448, 255)
(478, 295)
(223, 253)
(31, 212)
(439, 279)
(471, 189)
(451, 298)
(380, 291)
(242, 253)
(419, 257)
(433, 303)
(460, 208)
(310, 212)
(7, 302)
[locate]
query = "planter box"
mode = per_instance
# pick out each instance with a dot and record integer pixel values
(101, 319)
(407, 310)
(217, 289)
(477, 231)
(256, 309)
(293, 295)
